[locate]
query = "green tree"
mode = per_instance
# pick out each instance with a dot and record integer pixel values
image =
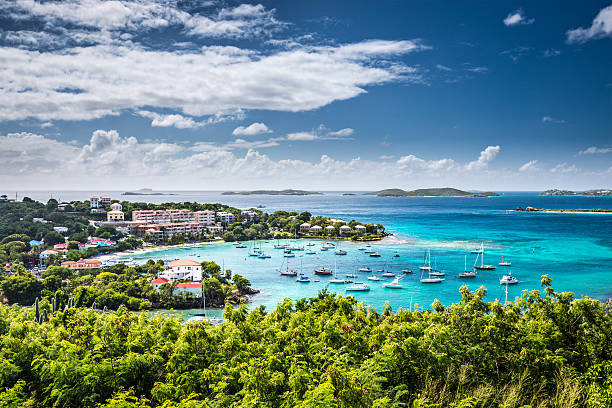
(53, 237)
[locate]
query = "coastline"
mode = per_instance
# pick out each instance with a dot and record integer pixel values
(140, 251)
(541, 210)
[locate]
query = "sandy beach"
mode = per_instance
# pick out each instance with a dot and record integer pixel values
(140, 251)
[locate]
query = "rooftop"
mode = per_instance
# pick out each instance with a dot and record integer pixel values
(183, 262)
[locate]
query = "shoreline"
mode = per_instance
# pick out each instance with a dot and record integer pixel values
(547, 211)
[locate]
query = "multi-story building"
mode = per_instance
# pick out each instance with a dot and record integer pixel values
(82, 264)
(226, 216)
(163, 216)
(250, 215)
(115, 215)
(183, 269)
(105, 201)
(205, 217)
(94, 202)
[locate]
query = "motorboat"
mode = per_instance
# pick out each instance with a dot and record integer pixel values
(323, 271)
(310, 244)
(303, 279)
(241, 246)
(375, 255)
(396, 255)
(407, 270)
(508, 279)
(373, 278)
(358, 287)
(289, 255)
(388, 275)
(340, 252)
(368, 251)
(393, 285)
(365, 269)
(310, 252)
(361, 249)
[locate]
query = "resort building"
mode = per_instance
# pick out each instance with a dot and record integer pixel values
(82, 264)
(183, 269)
(94, 202)
(361, 229)
(250, 215)
(304, 228)
(315, 229)
(345, 229)
(329, 229)
(115, 215)
(189, 289)
(105, 201)
(205, 217)
(163, 216)
(226, 216)
(61, 230)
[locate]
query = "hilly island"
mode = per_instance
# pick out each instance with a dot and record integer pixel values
(430, 192)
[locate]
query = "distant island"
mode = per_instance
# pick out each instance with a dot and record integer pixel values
(145, 192)
(592, 193)
(289, 192)
(430, 192)
(566, 210)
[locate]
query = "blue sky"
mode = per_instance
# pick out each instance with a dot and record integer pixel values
(305, 94)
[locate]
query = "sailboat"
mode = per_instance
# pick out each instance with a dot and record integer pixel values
(435, 271)
(430, 279)
(466, 273)
(287, 271)
(393, 285)
(502, 263)
(426, 262)
(358, 287)
(302, 278)
(335, 278)
(387, 273)
(365, 269)
(482, 264)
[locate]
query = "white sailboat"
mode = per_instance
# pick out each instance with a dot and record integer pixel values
(502, 263)
(393, 285)
(435, 271)
(287, 271)
(466, 273)
(482, 264)
(431, 279)
(426, 262)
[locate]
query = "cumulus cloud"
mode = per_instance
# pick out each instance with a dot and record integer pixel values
(596, 150)
(600, 28)
(342, 132)
(176, 120)
(530, 165)
(108, 79)
(321, 133)
(255, 128)
(486, 156)
(517, 18)
(411, 163)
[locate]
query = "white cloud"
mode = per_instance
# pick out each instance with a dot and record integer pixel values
(479, 70)
(386, 157)
(255, 128)
(109, 78)
(411, 163)
(530, 165)
(596, 150)
(551, 52)
(516, 53)
(342, 132)
(550, 119)
(173, 120)
(564, 168)
(443, 68)
(302, 136)
(600, 28)
(517, 18)
(486, 156)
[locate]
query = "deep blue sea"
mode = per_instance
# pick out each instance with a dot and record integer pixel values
(574, 249)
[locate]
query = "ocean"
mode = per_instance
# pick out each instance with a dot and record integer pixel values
(574, 249)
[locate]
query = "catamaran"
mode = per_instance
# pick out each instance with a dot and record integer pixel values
(482, 264)
(508, 279)
(393, 285)
(466, 273)
(502, 263)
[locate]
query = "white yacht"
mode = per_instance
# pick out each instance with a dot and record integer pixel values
(508, 279)
(466, 273)
(358, 287)
(393, 285)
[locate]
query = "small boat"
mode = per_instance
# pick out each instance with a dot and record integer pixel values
(296, 248)
(388, 275)
(368, 251)
(310, 244)
(310, 252)
(380, 270)
(358, 287)
(502, 263)
(466, 273)
(373, 278)
(396, 255)
(426, 262)
(482, 264)
(375, 255)
(330, 244)
(287, 271)
(324, 248)
(365, 269)
(335, 278)
(430, 279)
(350, 275)
(340, 252)
(508, 279)
(241, 246)
(476, 251)
(393, 285)
(289, 255)
(303, 279)
(361, 249)
(264, 256)
(323, 271)
(407, 270)
(435, 271)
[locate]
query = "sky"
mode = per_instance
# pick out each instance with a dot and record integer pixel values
(322, 95)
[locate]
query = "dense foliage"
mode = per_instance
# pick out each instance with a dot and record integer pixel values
(542, 350)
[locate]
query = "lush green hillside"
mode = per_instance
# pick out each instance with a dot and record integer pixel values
(271, 192)
(543, 350)
(429, 192)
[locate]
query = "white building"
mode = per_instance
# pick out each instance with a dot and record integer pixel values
(189, 288)
(329, 229)
(315, 229)
(345, 229)
(226, 216)
(360, 228)
(61, 230)
(183, 269)
(205, 217)
(304, 228)
(94, 202)
(250, 215)
(105, 200)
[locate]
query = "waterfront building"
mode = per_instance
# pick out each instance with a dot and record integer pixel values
(304, 228)
(345, 229)
(360, 228)
(226, 216)
(105, 201)
(330, 229)
(183, 269)
(94, 202)
(205, 217)
(82, 264)
(189, 288)
(316, 229)
(115, 215)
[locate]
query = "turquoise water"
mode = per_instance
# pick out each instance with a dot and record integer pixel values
(574, 249)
